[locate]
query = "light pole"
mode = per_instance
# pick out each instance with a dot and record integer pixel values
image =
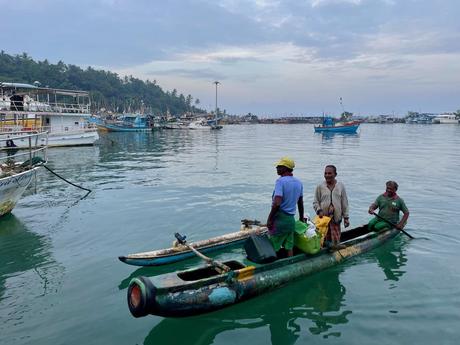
(215, 115)
(217, 83)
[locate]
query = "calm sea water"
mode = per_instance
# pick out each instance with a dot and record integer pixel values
(61, 281)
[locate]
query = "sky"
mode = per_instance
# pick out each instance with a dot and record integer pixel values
(271, 57)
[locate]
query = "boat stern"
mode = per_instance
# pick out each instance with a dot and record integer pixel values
(141, 296)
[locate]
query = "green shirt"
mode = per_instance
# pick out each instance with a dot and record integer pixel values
(389, 207)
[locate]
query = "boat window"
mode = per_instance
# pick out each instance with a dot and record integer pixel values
(208, 271)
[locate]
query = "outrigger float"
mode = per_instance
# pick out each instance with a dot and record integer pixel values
(180, 252)
(203, 289)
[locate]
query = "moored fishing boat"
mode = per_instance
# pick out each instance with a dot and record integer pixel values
(17, 168)
(127, 123)
(203, 289)
(179, 253)
(328, 126)
(62, 113)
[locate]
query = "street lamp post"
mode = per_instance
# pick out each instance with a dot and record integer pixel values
(215, 126)
(217, 83)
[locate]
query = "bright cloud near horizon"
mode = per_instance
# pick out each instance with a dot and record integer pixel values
(272, 57)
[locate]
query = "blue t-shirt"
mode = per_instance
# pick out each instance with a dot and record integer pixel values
(290, 189)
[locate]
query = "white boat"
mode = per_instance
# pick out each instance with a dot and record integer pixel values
(199, 124)
(175, 125)
(446, 119)
(18, 167)
(64, 114)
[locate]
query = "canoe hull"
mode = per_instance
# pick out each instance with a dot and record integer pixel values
(172, 255)
(169, 295)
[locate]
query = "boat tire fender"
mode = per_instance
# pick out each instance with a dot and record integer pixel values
(141, 296)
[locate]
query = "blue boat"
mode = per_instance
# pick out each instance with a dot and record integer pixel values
(127, 123)
(329, 126)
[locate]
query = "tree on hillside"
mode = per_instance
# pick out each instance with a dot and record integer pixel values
(107, 89)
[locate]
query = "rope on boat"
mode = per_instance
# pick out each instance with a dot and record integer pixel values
(62, 178)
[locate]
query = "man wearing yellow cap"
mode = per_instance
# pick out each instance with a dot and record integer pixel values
(287, 194)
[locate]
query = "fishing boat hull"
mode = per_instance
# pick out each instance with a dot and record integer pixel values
(175, 254)
(115, 128)
(201, 290)
(337, 129)
(84, 137)
(12, 188)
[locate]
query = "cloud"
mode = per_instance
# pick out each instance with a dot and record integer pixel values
(205, 73)
(317, 3)
(275, 52)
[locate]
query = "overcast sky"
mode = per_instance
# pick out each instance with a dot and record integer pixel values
(272, 57)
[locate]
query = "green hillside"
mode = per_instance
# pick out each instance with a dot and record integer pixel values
(108, 90)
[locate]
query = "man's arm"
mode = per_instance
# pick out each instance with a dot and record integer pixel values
(301, 210)
(374, 206)
(405, 211)
(275, 207)
(317, 200)
(344, 201)
(403, 221)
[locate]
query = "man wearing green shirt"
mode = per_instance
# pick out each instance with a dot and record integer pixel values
(389, 205)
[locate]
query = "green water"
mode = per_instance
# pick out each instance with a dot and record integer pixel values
(61, 281)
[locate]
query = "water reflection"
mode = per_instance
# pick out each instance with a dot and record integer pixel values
(21, 250)
(325, 137)
(315, 306)
(118, 144)
(391, 258)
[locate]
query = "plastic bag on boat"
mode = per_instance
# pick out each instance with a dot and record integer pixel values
(308, 228)
(300, 227)
(308, 245)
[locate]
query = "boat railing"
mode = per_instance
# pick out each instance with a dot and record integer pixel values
(44, 107)
(14, 160)
(82, 128)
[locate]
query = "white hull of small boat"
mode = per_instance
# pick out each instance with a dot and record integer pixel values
(74, 138)
(12, 188)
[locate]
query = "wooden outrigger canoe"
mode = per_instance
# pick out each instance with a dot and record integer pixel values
(203, 289)
(180, 252)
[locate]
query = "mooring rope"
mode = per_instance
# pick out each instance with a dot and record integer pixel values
(62, 178)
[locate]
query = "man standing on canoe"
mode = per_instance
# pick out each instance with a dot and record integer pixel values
(287, 195)
(331, 198)
(389, 205)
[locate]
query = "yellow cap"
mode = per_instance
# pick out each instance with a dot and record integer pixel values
(286, 162)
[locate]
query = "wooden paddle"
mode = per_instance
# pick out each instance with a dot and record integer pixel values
(393, 225)
(219, 266)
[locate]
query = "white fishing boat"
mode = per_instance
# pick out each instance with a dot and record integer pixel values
(18, 167)
(64, 114)
(446, 119)
(199, 124)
